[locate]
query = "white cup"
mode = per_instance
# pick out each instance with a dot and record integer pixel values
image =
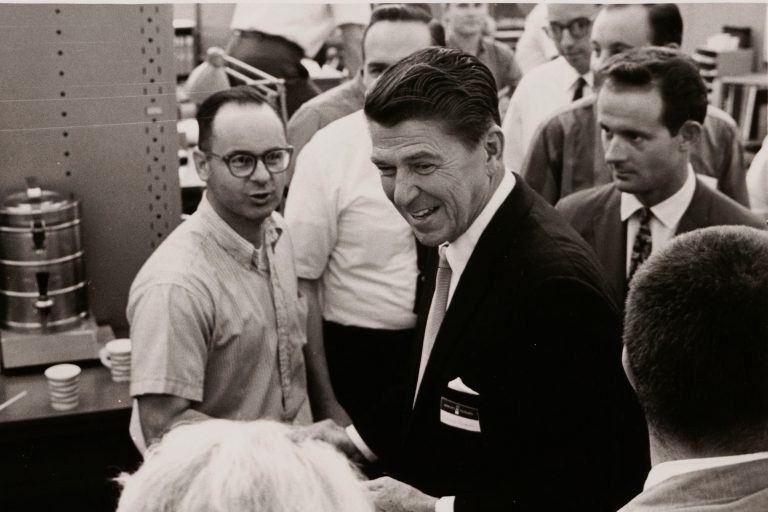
(116, 355)
(63, 386)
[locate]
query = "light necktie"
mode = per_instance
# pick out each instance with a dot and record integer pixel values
(579, 92)
(436, 313)
(641, 249)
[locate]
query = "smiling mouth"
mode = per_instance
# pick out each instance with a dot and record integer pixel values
(420, 215)
(261, 196)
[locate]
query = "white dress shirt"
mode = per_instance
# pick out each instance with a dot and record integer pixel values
(665, 470)
(542, 91)
(457, 253)
(666, 216)
(757, 182)
(348, 234)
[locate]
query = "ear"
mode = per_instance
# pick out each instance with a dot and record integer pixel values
(689, 135)
(627, 367)
(494, 145)
(201, 164)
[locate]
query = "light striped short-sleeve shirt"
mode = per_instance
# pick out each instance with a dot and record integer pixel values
(220, 323)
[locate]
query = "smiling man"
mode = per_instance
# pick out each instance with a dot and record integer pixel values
(216, 322)
(515, 388)
(650, 111)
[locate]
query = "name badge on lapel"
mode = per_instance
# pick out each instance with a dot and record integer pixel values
(458, 408)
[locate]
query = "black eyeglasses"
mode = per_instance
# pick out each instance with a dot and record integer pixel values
(242, 164)
(578, 27)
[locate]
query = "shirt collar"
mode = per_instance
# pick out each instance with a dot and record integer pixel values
(569, 75)
(235, 245)
(665, 470)
(669, 211)
(459, 251)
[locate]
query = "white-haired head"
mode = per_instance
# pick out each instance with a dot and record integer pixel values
(224, 465)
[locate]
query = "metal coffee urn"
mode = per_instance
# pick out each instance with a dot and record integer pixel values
(43, 287)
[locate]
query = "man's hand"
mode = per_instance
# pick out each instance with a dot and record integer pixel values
(390, 495)
(330, 432)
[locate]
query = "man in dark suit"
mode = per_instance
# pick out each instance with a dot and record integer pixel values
(515, 399)
(695, 351)
(566, 155)
(650, 111)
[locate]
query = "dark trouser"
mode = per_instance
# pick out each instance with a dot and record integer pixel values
(364, 363)
(278, 57)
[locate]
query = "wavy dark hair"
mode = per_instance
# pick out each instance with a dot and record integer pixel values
(674, 74)
(437, 84)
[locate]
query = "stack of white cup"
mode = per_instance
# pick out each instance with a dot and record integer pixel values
(116, 355)
(63, 386)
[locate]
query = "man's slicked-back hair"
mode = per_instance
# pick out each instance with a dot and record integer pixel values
(696, 335)
(242, 94)
(666, 24)
(406, 13)
(674, 74)
(437, 84)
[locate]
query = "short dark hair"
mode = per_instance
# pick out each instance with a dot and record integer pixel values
(406, 13)
(696, 336)
(674, 74)
(242, 94)
(666, 24)
(664, 21)
(438, 84)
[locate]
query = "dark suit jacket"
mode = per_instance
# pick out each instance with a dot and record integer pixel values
(739, 487)
(532, 329)
(595, 214)
(566, 154)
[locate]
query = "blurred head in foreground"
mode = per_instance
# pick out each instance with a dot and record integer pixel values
(223, 465)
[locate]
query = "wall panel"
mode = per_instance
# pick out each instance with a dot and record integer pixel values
(87, 104)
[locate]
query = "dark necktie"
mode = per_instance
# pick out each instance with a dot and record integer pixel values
(579, 92)
(641, 249)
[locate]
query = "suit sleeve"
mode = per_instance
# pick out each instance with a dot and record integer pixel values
(734, 176)
(572, 438)
(543, 164)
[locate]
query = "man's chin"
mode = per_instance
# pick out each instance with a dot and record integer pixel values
(429, 239)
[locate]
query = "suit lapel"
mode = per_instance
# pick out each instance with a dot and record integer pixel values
(610, 241)
(473, 284)
(697, 213)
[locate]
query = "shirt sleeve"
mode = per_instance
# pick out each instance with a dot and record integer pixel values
(311, 208)
(354, 13)
(169, 328)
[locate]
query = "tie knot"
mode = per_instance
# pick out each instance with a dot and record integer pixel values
(645, 215)
(443, 263)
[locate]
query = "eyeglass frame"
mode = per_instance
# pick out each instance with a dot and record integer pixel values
(258, 158)
(569, 27)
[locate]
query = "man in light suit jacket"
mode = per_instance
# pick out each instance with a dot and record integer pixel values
(695, 351)
(650, 110)
(514, 399)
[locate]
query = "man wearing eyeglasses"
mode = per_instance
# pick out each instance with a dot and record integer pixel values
(552, 85)
(217, 325)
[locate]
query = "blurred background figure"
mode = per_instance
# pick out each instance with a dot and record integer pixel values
(275, 37)
(467, 27)
(757, 182)
(695, 351)
(535, 46)
(553, 84)
(225, 466)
